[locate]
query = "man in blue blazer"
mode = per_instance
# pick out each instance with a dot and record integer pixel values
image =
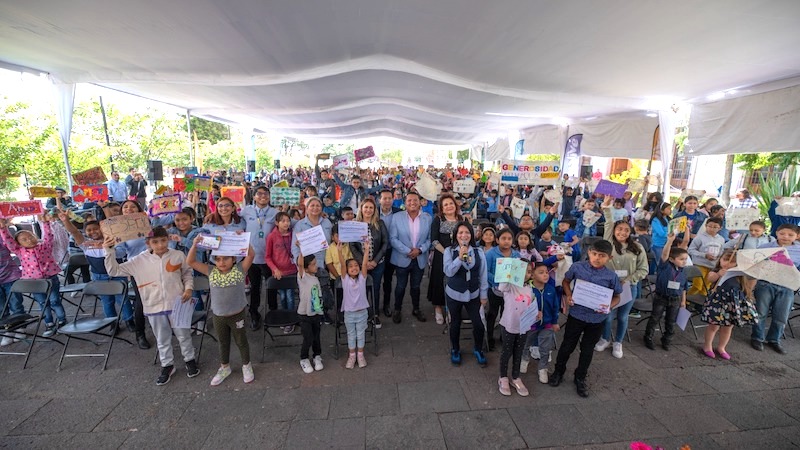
(410, 236)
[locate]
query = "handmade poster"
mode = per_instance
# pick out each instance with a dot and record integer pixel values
(340, 161)
(352, 231)
(683, 318)
(238, 177)
(789, 206)
(462, 155)
(741, 218)
(190, 186)
(312, 240)
(235, 193)
(695, 192)
(95, 175)
(464, 186)
(626, 296)
(161, 189)
(636, 185)
(364, 153)
(181, 315)
(179, 184)
(529, 172)
(510, 270)
(94, 193)
(165, 205)
(562, 268)
(20, 209)
(127, 227)
(285, 196)
(209, 242)
(592, 296)
(606, 187)
(282, 183)
(42, 192)
(573, 182)
(202, 183)
(324, 156)
(590, 218)
(518, 207)
(428, 187)
(553, 195)
(493, 181)
(677, 226)
(232, 244)
(769, 264)
(190, 171)
(529, 317)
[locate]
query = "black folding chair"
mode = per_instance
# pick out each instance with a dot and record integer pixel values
(279, 318)
(696, 301)
(201, 284)
(338, 320)
(77, 262)
(95, 325)
(17, 323)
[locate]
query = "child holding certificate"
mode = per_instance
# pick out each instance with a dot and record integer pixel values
(670, 295)
(585, 323)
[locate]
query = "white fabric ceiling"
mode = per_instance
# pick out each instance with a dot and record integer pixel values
(441, 72)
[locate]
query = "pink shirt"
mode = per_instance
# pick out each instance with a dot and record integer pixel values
(413, 225)
(36, 262)
(354, 293)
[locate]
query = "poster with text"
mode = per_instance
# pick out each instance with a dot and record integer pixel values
(165, 205)
(93, 193)
(95, 175)
(20, 209)
(541, 173)
(127, 227)
(285, 196)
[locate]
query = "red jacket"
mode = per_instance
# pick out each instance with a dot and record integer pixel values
(279, 252)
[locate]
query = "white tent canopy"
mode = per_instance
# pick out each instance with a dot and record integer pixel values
(444, 72)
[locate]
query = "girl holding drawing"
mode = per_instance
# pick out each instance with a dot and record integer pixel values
(516, 301)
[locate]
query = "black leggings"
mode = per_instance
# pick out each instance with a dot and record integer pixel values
(473, 308)
(495, 309)
(255, 274)
(310, 327)
(232, 325)
(513, 345)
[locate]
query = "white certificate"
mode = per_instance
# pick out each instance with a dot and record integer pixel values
(312, 240)
(529, 317)
(626, 296)
(592, 296)
(683, 318)
(232, 244)
(181, 315)
(352, 231)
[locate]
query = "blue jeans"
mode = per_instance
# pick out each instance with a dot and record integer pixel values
(110, 301)
(286, 298)
(621, 315)
(415, 272)
(15, 307)
(54, 304)
(778, 298)
(377, 276)
(657, 251)
(356, 324)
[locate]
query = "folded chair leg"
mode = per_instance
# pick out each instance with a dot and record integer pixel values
(33, 341)
(63, 354)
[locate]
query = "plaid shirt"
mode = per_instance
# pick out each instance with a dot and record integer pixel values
(749, 202)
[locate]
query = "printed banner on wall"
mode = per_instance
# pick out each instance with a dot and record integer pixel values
(542, 173)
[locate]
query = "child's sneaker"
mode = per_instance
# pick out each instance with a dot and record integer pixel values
(503, 387)
(523, 366)
(201, 326)
(7, 340)
(617, 350)
(377, 322)
(49, 329)
(351, 361)
(480, 357)
(519, 387)
(191, 369)
(535, 352)
(601, 345)
(222, 373)
(318, 363)
(166, 375)
(61, 323)
(306, 365)
(455, 357)
(543, 378)
(362, 362)
(247, 373)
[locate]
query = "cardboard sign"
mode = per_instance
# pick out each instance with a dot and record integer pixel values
(695, 192)
(340, 161)
(202, 183)
(127, 227)
(42, 192)
(543, 173)
(518, 207)
(95, 175)
(20, 209)
(636, 185)
(464, 186)
(161, 189)
(94, 193)
(322, 156)
(364, 153)
(741, 218)
(165, 205)
(285, 196)
(235, 193)
(179, 184)
(615, 190)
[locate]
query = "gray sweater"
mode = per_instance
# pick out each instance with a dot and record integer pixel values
(705, 243)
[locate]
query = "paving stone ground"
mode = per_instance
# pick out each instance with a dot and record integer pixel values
(409, 396)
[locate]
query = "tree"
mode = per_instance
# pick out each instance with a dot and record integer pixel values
(207, 130)
(780, 161)
(392, 157)
(19, 139)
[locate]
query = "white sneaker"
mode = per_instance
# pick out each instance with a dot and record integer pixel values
(362, 362)
(543, 378)
(617, 350)
(201, 326)
(439, 318)
(247, 373)
(318, 363)
(523, 366)
(550, 356)
(306, 365)
(6, 341)
(535, 352)
(601, 345)
(222, 373)
(351, 361)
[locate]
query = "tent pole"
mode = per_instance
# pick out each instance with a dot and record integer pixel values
(189, 136)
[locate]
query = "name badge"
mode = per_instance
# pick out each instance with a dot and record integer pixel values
(260, 234)
(674, 285)
(621, 273)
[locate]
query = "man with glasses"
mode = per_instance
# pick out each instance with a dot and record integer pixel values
(260, 220)
(353, 193)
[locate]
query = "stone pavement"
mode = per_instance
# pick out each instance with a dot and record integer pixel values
(407, 397)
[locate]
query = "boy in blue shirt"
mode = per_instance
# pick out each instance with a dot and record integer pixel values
(670, 295)
(585, 324)
(544, 331)
(571, 237)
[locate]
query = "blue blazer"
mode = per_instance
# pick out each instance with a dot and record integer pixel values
(400, 239)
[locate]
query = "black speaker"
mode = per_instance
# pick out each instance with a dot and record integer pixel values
(586, 172)
(251, 166)
(155, 171)
(277, 163)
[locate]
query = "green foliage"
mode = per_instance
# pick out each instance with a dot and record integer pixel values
(755, 161)
(20, 137)
(206, 130)
(392, 157)
(777, 187)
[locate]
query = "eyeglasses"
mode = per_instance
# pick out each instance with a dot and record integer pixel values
(224, 205)
(262, 194)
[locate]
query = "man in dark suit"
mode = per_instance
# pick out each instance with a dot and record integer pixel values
(387, 212)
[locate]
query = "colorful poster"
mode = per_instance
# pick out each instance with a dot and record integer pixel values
(340, 161)
(127, 227)
(179, 184)
(285, 196)
(94, 193)
(165, 205)
(202, 183)
(676, 226)
(464, 186)
(20, 209)
(95, 175)
(364, 153)
(235, 193)
(42, 192)
(510, 270)
(190, 186)
(543, 173)
(191, 171)
(615, 190)
(462, 155)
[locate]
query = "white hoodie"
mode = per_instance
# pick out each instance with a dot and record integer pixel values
(160, 279)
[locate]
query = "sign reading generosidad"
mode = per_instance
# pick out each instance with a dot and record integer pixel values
(529, 172)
